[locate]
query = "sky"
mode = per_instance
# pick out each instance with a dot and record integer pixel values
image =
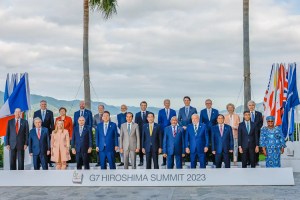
(150, 50)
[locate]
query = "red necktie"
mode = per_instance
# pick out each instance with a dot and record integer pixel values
(174, 132)
(221, 130)
(39, 133)
(17, 126)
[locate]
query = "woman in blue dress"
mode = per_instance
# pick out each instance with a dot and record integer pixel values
(272, 143)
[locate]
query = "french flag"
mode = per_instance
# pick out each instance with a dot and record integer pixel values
(17, 95)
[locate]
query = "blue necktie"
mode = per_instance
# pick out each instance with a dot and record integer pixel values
(186, 111)
(105, 129)
(144, 116)
(43, 115)
(81, 113)
(128, 129)
(248, 127)
(252, 117)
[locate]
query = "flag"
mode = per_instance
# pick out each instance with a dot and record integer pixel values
(280, 95)
(6, 93)
(18, 99)
(292, 101)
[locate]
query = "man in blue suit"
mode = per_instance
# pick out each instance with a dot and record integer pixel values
(248, 140)
(173, 144)
(196, 141)
(82, 143)
(151, 141)
(141, 119)
(222, 142)
(164, 119)
(107, 141)
(186, 112)
(39, 145)
(87, 114)
(121, 117)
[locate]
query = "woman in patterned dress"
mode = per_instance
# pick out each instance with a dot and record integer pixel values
(272, 143)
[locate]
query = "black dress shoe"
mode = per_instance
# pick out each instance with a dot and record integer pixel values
(121, 164)
(141, 164)
(129, 164)
(51, 165)
(97, 165)
(163, 164)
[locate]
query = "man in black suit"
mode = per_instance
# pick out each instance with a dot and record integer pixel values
(151, 141)
(141, 119)
(17, 140)
(257, 118)
(47, 121)
(248, 140)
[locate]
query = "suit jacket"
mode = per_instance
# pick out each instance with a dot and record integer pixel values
(154, 140)
(39, 146)
(235, 125)
(163, 119)
(197, 142)
(258, 121)
(222, 143)
(87, 114)
(121, 117)
(97, 120)
(130, 141)
(246, 140)
(84, 142)
(140, 121)
(213, 118)
(48, 121)
(17, 140)
(173, 145)
(184, 120)
(68, 124)
(110, 140)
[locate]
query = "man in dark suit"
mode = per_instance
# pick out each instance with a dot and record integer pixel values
(248, 140)
(164, 119)
(17, 140)
(257, 118)
(185, 113)
(107, 141)
(222, 142)
(96, 120)
(151, 141)
(87, 114)
(121, 117)
(174, 144)
(47, 121)
(82, 143)
(141, 119)
(196, 142)
(39, 145)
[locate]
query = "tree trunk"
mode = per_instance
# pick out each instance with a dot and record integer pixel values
(86, 73)
(247, 80)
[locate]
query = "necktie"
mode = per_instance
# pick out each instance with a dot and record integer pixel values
(39, 133)
(128, 129)
(144, 115)
(174, 131)
(209, 114)
(151, 129)
(43, 115)
(167, 112)
(81, 113)
(195, 128)
(105, 129)
(80, 130)
(100, 116)
(221, 130)
(17, 126)
(252, 117)
(248, 127)
(186, 111)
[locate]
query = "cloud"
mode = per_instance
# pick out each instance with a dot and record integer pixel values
(150, 50)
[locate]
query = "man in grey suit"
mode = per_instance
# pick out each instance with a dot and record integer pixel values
(17, 140)
(129, 140)
(96, 120)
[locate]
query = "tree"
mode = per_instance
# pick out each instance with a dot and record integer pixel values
(107, 8)
(247, 80)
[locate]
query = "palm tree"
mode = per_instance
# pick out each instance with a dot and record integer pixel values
(107, 8)
(247, 80)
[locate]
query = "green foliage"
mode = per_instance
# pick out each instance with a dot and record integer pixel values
(106, 7)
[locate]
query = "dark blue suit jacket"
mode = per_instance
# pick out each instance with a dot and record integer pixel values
(196, 143)
(111, 138)
(39, 146)
(173, 145)
(246, 140)
(184, 120)
(121, 117)
(154, 140)
(163, 119)
(83, 143)
(222, 143)
(14, 140)
(213, 119)
(140, 121)
(48, 121)
(87, 114)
